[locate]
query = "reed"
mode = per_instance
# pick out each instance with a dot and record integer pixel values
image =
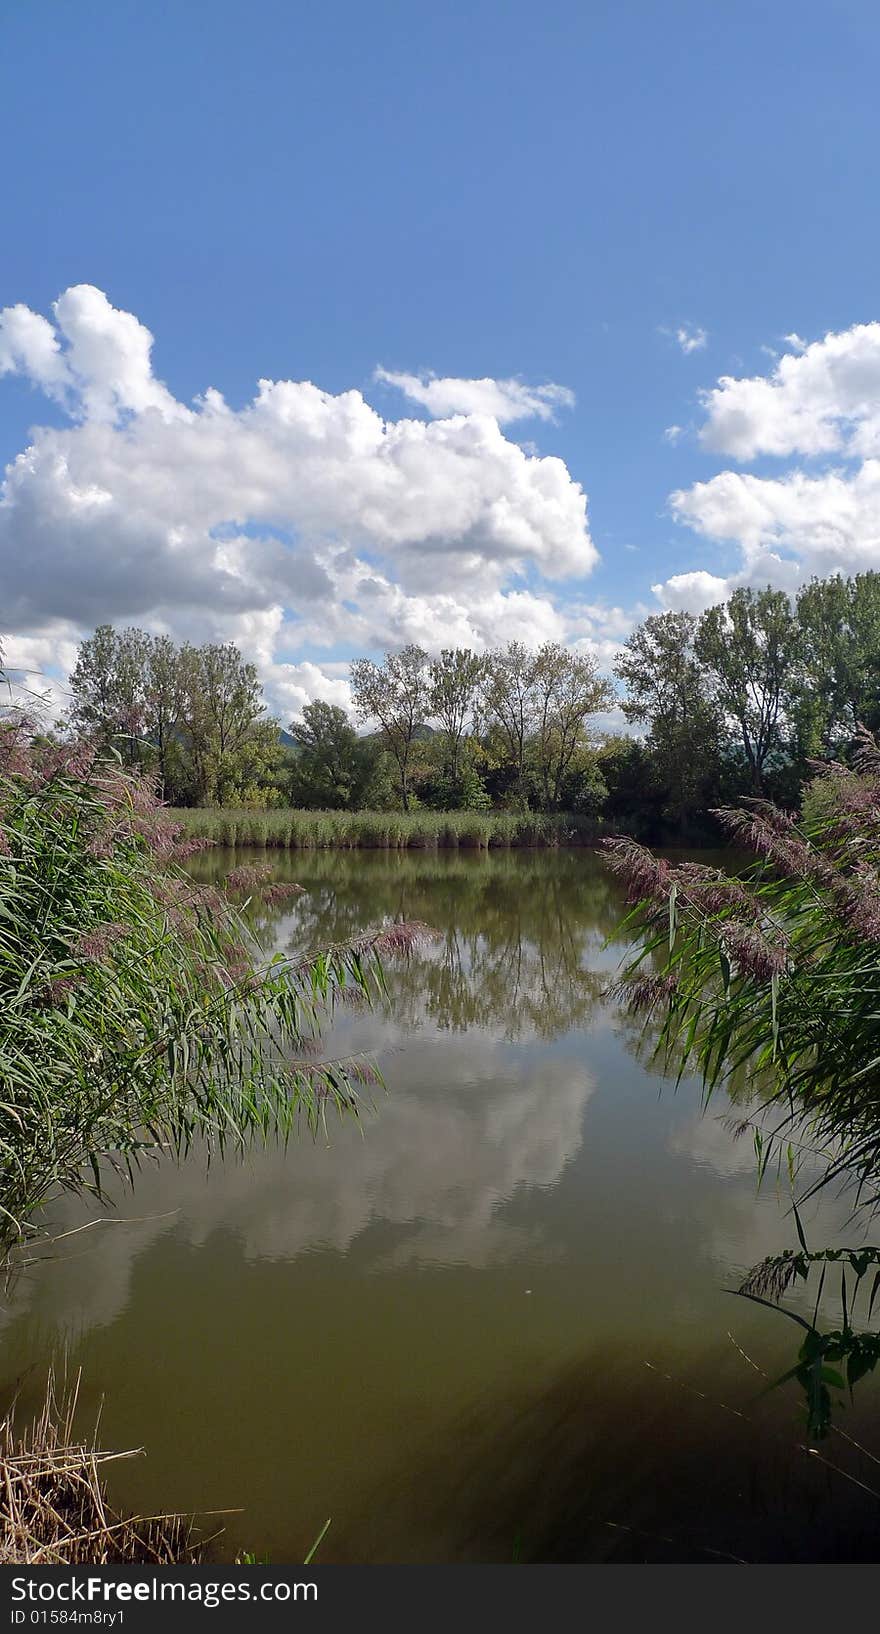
(294, 830)
(56, 1510)
(137, 1012)
(774, 975)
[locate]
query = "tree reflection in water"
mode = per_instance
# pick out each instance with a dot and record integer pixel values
(519, 945)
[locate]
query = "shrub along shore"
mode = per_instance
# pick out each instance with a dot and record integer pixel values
(384, 830)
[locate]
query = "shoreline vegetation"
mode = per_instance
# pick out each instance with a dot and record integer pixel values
(138, 1013)
(292, 829)
(773, 976)
(56, 1508)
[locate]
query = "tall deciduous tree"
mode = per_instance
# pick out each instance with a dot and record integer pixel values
(222, 709)
(568, 689)
(163, 703)
(454, 683)
(395, 693)
(334, 767)
(511, 702)
(126, 690)
(107, 688)
(749, 647)
(839, 621)
(195, 714)
(667, 692)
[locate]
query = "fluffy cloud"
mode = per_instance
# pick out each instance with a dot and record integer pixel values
(831, 521)
(29, 345)
(35, 668)
(691, 592)
(295, 685)
(301, 517)
(818, 400)
(502, 400)
(787, 529)
(104, 368)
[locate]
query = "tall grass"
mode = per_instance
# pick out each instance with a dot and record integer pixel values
(775, 976)
(137, 1012)
(295, 830)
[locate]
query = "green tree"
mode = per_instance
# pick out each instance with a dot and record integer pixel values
(749, 648)
(583, 788)
(633, 803)
(163, 697)
(395, 693)
(107, 687)
(511, 702)
(93, 684)
(454, 683)
(334, 767)
(839, 621)
(667, 692)
(222, 707)
(194, 714)
(568, 690)
(126, 688)
(256, 773)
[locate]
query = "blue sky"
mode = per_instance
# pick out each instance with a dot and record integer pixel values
(485, 191)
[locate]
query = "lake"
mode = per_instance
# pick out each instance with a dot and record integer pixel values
(491, 1320)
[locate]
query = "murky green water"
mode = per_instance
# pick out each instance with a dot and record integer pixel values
(492, 1322)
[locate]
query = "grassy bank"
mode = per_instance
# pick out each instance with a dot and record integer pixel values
(385, 830)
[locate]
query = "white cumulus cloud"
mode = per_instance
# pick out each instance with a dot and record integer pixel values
(691, 592)
(302, 518)
(819, 399)
(818, 407)
(97, 359)
(29, 345)
(819, 402)
(794, 526)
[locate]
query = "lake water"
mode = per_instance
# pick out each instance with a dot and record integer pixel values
(491, 1321)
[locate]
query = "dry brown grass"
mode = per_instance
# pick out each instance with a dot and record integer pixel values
(53, 1502)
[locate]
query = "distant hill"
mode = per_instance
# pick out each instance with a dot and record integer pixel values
(422, 734)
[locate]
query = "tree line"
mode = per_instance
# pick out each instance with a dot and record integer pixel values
(744, 700)
(738, 701)
(193, 715)
(460, 731)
